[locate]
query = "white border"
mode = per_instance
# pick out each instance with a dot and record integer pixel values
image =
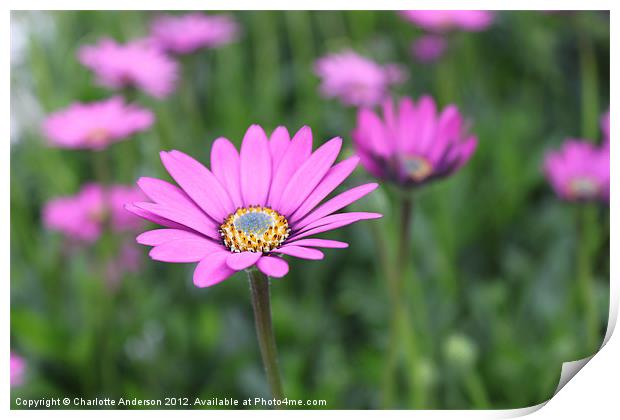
(592, 392)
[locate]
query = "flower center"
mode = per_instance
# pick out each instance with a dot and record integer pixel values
(97, 136)
(98, 214)
(254, 229)
(417, 167)
(583, 188)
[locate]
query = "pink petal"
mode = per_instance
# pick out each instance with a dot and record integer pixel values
(338, 202)
(352, 216)
(173, 198)
(255, 166)
(377, 137)
(301, 252)
(273, 266)
(406, 127)
(371, 164)
(278, 143)
(390, 122)
(467, 150)
(308, 176)
(449, 128)
(427, 116)
(320, 243)
(241, 260)
(199, 183)
(329, 227)
(296, 154)
(212, 269)
(334, 177)
(161, 236)
(187, 217)
(164, 193)
(147, 215)
(184, 250)
(225, 167)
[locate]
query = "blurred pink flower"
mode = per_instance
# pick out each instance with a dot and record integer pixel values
(18, 369)
(83, 216)
(252, 207)
(428, 48)
(136, 64)
(605, 128)
(95, 125)
(579, 171)
(413, 144)
(356, 80)
(445, 20)
(190, 32)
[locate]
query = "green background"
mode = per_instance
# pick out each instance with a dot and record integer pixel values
(495, 301)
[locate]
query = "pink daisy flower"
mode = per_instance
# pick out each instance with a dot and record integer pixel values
(136, 64)
(428, 48)
(83, 216)
(413, 144)
(252, 207)
(579, 171)
(188, 33)
(445, 20)
(356, 80)
(96, 125)
(18, 369)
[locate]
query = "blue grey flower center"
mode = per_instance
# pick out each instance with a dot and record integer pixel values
(583, 187)
(417, 167)
(255, 223)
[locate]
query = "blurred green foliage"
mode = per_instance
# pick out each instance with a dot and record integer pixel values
(493, 248)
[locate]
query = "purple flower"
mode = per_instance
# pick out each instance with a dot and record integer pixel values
(356, 80)
(83, 216)
(95, 125)
(579, 171)
(188, 33)
(413, 144)
(252, 207)
(445, 20)
(18, 369)
(428, 48)
(136, 64)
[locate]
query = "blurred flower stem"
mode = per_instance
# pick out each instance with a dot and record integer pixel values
(106, 303)
(259, 285)
(404, 242)
(402, 334)
(588, 230)
(101, 167)
(474, 386)
(586, 248)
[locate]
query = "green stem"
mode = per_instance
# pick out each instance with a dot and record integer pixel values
(404, 242)
(403, 271)
(587, 214)
(101, 166)
(401, 330)
(391, 361)
(106, 250)
(587, 224)
(131, 94)
(475, 388)
(259, 285)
